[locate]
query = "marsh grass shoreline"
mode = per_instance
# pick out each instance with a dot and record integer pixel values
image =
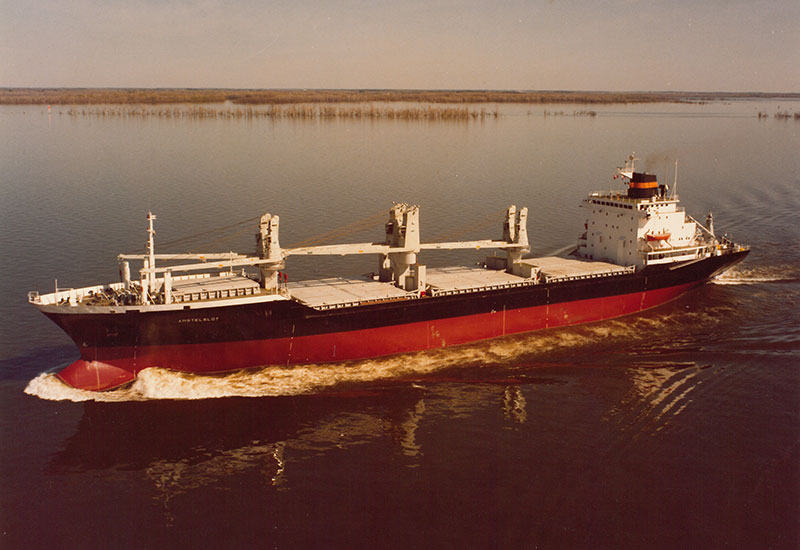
(284, 111)
(335, 104)
(157, 96)
(319, 111)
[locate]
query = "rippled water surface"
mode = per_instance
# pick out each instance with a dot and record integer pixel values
(675, 428)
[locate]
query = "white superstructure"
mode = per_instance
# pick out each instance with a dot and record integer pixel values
(643, 227)
(627, 231)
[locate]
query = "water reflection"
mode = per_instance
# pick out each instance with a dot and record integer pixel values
(658, 394)
(407, 434)
(172, 478)
(514, 405)
(187, 448)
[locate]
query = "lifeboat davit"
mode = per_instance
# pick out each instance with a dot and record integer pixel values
(658, 236)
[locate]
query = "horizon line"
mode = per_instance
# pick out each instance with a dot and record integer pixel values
(443, 90)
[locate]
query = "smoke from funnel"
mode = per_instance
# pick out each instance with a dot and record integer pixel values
(660, 163)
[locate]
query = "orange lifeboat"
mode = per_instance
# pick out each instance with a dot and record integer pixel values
(658, 236)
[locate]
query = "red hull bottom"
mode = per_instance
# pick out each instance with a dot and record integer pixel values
(107, 368)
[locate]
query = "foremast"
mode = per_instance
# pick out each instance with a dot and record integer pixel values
(148, 271)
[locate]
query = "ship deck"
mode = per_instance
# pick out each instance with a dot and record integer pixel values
(226, 285)
(554, 268)
(342, 292)
(462, 279)
(339, 292)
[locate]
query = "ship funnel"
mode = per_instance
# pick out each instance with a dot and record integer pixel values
(642, 185)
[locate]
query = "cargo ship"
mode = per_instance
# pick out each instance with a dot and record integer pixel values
(218, 312)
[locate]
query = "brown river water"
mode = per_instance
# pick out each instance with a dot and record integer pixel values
(675, 428)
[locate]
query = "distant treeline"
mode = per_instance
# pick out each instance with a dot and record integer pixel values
(154, 96)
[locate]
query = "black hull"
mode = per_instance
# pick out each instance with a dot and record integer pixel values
(283, 319)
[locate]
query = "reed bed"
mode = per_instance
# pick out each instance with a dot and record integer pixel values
(158, 96)
(780, 115)
(295, 111)
(574, 113)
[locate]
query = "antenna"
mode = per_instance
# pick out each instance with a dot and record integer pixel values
(675, 181)
(628, 169)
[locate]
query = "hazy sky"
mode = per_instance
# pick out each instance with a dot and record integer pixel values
(544, 45)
